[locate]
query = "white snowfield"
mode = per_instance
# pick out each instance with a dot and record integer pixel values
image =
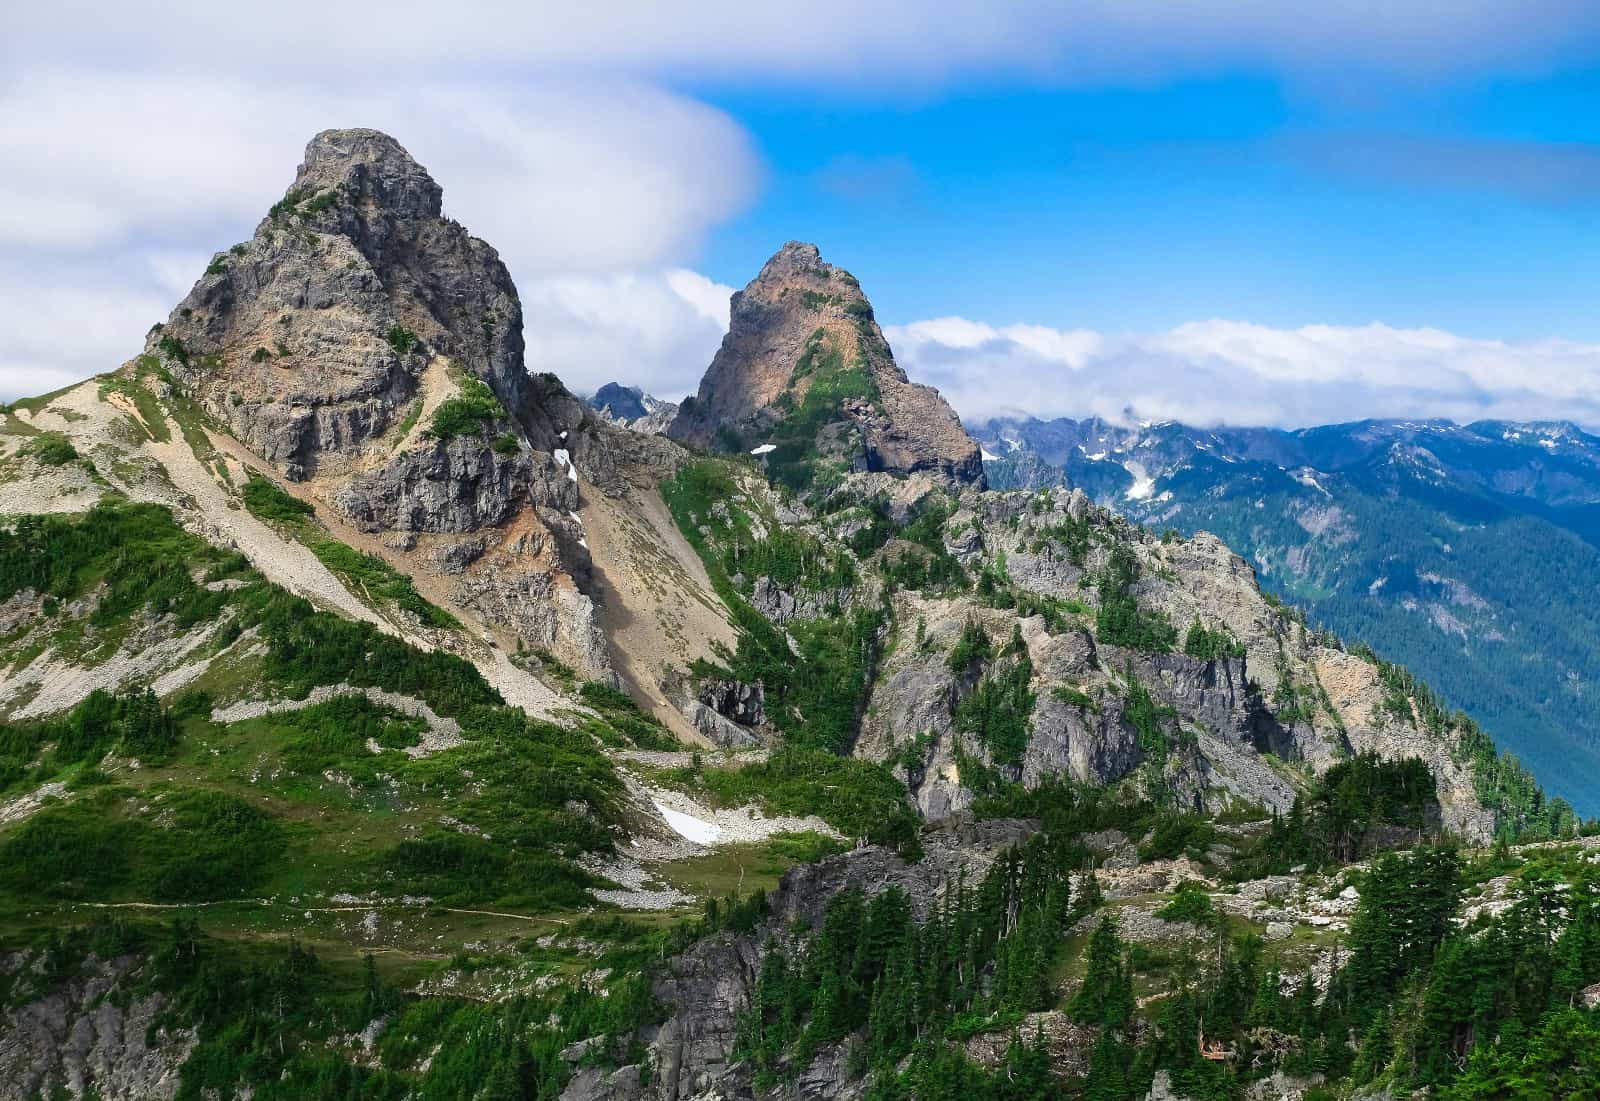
(687, 825)
(764, 449)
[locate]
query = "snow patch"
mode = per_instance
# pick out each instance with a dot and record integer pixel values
(1143, 483)
(764, 449)
(986, 455)
(1308, 478)
(687, 825)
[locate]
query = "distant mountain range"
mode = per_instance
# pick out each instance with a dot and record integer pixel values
(1469, 552)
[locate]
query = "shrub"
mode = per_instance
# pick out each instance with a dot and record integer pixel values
(401, 339)
(1120, 621)
(468, 413)
(172, 348)
(267, 501)
(1201, 642)
(52, 449)
(1189, 903)
(198, 846)
(973, 646)
(855, 797)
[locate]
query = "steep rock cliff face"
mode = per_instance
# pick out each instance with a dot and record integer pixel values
(96, 1036)
(1284, 692)
(804, 348)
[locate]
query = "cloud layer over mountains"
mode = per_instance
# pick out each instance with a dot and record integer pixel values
(1231, 372)
(140, 137)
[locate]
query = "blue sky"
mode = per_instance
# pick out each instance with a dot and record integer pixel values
(1474, 207)
(1254, 213)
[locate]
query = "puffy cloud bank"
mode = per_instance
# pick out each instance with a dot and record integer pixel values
(1232, 372)
(126, 184)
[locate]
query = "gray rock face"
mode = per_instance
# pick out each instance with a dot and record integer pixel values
(782, 606)
(459, 486)
(1226, 714)
(330, 342)
(735, 701)
(90, 1037)
(518, 586)
(1068, 1042)
(801, 312)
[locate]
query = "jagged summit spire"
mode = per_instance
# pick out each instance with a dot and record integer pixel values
(805, 367)
(370, 166)
(311, 339)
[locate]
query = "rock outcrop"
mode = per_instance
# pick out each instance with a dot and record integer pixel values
(691, 1053)
(806, 369)
(1286, 694)
(97, 1035)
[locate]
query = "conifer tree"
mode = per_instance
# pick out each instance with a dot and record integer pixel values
(1106, 996)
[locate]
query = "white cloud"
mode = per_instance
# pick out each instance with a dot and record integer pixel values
(142, 136)
(930, 40)
(558, 176)
(1231, 372)
(707, 296)
(62, 323)
(122, 185)
(656, 330)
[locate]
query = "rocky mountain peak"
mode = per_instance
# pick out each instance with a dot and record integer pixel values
(631, 407)
(372, 168)
(625, 403)
(805, 371)
(797, 259)
(354, 301)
